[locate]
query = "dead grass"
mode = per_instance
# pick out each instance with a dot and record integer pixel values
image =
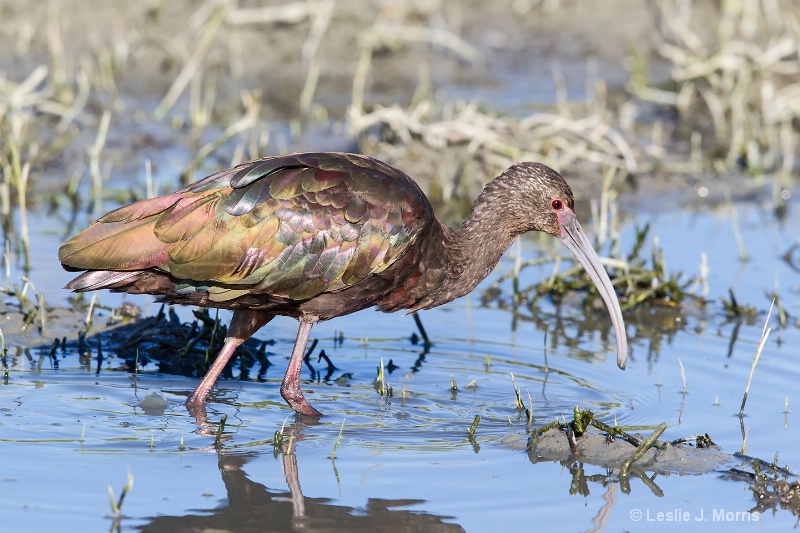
(740, 74)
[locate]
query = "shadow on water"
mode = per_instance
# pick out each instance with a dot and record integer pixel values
(251, 506)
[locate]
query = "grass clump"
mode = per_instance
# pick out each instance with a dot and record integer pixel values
(739, 75)
(641, 281)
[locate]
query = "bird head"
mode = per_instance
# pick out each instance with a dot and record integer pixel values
(541, 200)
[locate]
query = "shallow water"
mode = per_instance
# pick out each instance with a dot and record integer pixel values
(69, 433)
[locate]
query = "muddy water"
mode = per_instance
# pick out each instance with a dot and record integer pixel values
(69, 432)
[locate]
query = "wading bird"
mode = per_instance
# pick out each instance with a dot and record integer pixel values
(315, 236)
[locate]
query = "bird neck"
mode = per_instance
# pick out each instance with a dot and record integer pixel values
(459, 260)
(479, 244)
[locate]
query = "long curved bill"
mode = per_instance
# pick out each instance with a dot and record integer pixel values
(575, 240)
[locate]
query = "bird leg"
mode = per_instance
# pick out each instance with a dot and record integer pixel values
(290, 388)
(243, 324)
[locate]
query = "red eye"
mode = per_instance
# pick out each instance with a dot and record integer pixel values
(557, 205)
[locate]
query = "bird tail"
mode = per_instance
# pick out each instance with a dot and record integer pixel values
(102, 279)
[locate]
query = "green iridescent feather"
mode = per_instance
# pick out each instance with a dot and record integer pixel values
(293, 226)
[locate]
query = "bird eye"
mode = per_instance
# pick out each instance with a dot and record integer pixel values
(557, 205)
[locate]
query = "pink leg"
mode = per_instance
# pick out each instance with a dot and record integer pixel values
(243, 325)
(290, 388)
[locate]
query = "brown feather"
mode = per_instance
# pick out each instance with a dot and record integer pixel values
(293, 227)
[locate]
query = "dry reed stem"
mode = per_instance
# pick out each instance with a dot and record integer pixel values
(192, 65)
(557, 140)
(744, 76)
(288, 13)
(764, 335)
(94, 162)
(385, 35)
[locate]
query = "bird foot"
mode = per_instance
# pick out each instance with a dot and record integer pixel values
(294, 397)
(196, 405)
(196, 400)
(304, 408)
(198, 411)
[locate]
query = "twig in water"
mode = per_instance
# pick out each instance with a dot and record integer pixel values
(331, 366)
(99, 355)
(737, 234)
(136, 372)
(381, 380)
(473, 427)
(530, 409)
(764, 334)
(116, 506)
(88, 321)
(220, 429)
(546, 364)
(786, 413)
(311, 349)
(745, 432)
(42, 312)
(338, 440)
(517, 399)
(289, 447)
(615, 431)
(704, 274)
(640, 451)
(277, 440)
(573, 442)
(421, 330)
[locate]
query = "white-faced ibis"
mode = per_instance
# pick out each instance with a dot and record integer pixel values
(315, 236)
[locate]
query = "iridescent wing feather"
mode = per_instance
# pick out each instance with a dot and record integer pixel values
(293, 226)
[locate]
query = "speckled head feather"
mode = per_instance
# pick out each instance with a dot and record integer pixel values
(521, 199)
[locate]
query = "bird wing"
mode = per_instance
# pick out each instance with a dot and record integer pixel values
(293, 226)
